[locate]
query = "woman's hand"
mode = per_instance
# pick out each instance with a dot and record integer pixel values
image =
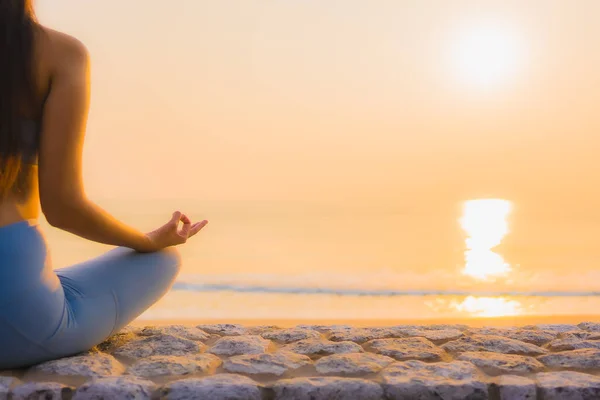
(171, 235)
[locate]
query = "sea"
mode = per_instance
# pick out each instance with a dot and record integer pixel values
(479, 258)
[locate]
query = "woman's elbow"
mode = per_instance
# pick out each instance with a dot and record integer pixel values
(58, 212)
(54, 217)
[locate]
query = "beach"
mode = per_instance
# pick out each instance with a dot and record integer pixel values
(500, 358)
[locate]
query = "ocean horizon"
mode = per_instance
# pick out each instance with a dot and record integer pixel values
(278, 260)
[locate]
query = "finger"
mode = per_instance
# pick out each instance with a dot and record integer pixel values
(184, 218)
(196, 227)
(175, 218)
(187, 224)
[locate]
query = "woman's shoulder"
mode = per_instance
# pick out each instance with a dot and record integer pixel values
(62, 48)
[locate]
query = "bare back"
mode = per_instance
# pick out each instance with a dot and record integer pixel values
(52, 52)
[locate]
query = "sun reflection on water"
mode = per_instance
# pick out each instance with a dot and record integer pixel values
(485, 223)
(489, 306)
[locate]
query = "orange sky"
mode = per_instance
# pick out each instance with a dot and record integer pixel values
(337, 100)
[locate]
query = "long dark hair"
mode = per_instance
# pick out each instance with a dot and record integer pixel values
(17, 89)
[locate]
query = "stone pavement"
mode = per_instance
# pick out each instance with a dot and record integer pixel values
(316, 362)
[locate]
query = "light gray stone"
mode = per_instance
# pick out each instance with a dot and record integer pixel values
(224, 329)
(573, 343)
(327, 388)
(352, 364)
(315, 347)
(236, 345)
(497, 363)
(260, 329)
(568, 385)
(582, 359)
(460, 327)
(512, 387)
(41, 391)
(360, 335)
(124, 387)
(217, 387)
(496, 344)
(6, 383)
(533, 336)
(159, 345)
(187, 332)
(290, 335)
(437, 336)
(401, 328)
(119, 339)
(553, 327)
(266, 363)
(416, 348)
(587, 335)
(88, 365)
(174, 365)
(589, 326)
(325, 328)
(457, 380)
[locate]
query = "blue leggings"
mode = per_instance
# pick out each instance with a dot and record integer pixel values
(47, 314)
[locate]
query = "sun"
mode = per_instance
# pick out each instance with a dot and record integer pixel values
(486, 54)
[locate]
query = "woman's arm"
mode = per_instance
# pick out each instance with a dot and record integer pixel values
(62, 194)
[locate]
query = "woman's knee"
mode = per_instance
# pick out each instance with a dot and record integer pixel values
(169, 258)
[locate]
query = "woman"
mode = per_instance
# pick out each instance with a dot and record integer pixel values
(46, 314)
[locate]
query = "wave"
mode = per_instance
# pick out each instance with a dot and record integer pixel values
(238, 288)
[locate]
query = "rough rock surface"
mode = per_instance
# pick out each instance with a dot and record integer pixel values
(496, 344)
(41, 390)
(266, 363)
(317, 347)
(159, 345)
(568, 385)
(583, 359)
(117, 340)
(360, 335)
(260, 329)
(533, 336)
(460, 327)
(512, 387)
(587, 335)
(123, 387)
(352, 364)
(290, 335)
(224, 329)
(174, 365)
(217, 387)
(325, 328)
(589, 326)
(553, 327)
(573, 343)
(418, 380)
(187, 332)
(327, 388)
(88, 365)
(235, 345)
(437, 336)
(497, 364)
(6, 382)
(416, 348)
